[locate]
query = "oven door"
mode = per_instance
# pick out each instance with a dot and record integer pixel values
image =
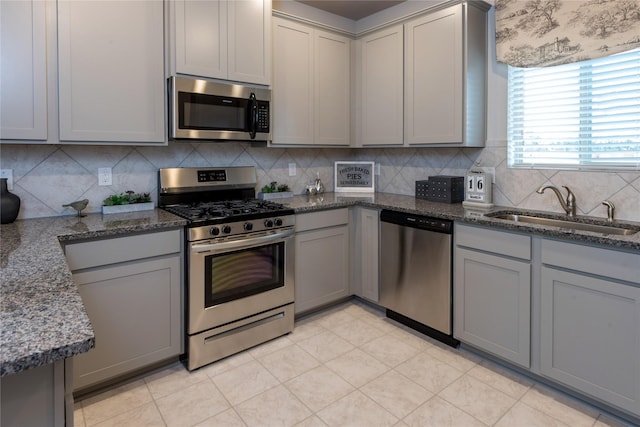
(230, 280)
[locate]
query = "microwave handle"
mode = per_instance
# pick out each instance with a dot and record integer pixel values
(253, 115)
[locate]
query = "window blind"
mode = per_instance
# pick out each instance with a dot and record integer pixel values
(584, 115)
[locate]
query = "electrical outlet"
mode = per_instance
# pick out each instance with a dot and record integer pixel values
(292, 169)
(7, 173)
(377, 172)
(104, 176)
(492, 171)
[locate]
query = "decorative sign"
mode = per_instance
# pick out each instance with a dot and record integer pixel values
(354, 177)
(478, 189)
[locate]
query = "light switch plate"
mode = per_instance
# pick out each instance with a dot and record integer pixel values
(7, 173)
(292, 169)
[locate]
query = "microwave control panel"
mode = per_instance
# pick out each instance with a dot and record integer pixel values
(263, 116)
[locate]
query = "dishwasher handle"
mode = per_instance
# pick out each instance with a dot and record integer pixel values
(422, 222)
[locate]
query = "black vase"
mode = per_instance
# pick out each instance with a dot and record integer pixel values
(9, 204)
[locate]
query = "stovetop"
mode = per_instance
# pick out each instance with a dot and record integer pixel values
(219, 201)
(228, 210)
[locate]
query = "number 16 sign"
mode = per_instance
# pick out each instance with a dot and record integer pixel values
(478, 191)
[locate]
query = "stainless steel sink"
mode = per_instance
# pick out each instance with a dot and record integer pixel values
(563, 223)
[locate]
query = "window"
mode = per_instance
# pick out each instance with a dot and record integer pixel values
(584, 115)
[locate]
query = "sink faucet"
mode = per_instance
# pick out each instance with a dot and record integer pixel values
(611, 209)
(569, 205)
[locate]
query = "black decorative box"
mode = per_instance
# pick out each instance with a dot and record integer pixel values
(441, 188)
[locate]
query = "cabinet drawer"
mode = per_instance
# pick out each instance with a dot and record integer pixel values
(499, 242)
(120, 249)
(322, 219)
(589, 259)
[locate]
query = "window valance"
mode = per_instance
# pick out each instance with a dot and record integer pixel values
(538, 33)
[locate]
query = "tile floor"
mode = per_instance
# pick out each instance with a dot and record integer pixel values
(346, 366)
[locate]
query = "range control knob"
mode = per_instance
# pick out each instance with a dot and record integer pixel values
(278, 222)
(248, 226)
(214, 231)
(268, 223)
(226, 229)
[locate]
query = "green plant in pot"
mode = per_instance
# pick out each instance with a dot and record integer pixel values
(126, 198)
(129, 201)
(275, 191)
(273, 187)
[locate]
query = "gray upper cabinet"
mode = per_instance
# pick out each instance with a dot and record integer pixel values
(311, 86)
(23, 70)
(492, 292)
(590, 321)
(221, 39)
(381, 88)
(83, 72)
(423, 83)
(111, 71)
(445, 76)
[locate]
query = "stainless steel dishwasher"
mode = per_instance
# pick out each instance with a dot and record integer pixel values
(415, 272)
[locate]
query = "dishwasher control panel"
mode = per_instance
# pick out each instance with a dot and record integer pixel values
(417, 221)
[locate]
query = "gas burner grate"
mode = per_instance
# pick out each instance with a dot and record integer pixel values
(224, 209)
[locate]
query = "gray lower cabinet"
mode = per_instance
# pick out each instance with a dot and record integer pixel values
(322, 259)
(492, 292)
(365, 232)
(590, 321)
(575, 307)
(131, 288)
(37, 397)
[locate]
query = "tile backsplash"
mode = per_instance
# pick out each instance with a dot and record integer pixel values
(48, 176)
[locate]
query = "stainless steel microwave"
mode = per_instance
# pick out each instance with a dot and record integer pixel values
(213, 111)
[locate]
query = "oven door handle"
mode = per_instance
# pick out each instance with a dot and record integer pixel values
(240, 244)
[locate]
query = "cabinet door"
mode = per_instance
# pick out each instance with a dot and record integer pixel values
(111, 71)
(201, 38)
(365, 254)
(332, 58)
(23, 70)
(135, 310)
(433, 78)
(492, 304)
(590, 335)
(322, 267)
(36, 397)
(382, 88)
(249, 41)
(292, 83)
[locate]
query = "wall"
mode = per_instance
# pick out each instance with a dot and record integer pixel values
(47, 176)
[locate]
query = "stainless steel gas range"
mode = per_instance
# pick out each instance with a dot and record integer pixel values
(239, 260)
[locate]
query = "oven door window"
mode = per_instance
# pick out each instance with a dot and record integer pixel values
(239, 274)
(210, 112)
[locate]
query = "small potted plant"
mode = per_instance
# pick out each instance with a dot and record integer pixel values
(275, 191)
(129, 201)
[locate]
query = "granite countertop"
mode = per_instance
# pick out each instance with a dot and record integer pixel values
(42, 318)
(457, 212)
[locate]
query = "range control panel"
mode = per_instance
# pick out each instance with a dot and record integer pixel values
(212, 175)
